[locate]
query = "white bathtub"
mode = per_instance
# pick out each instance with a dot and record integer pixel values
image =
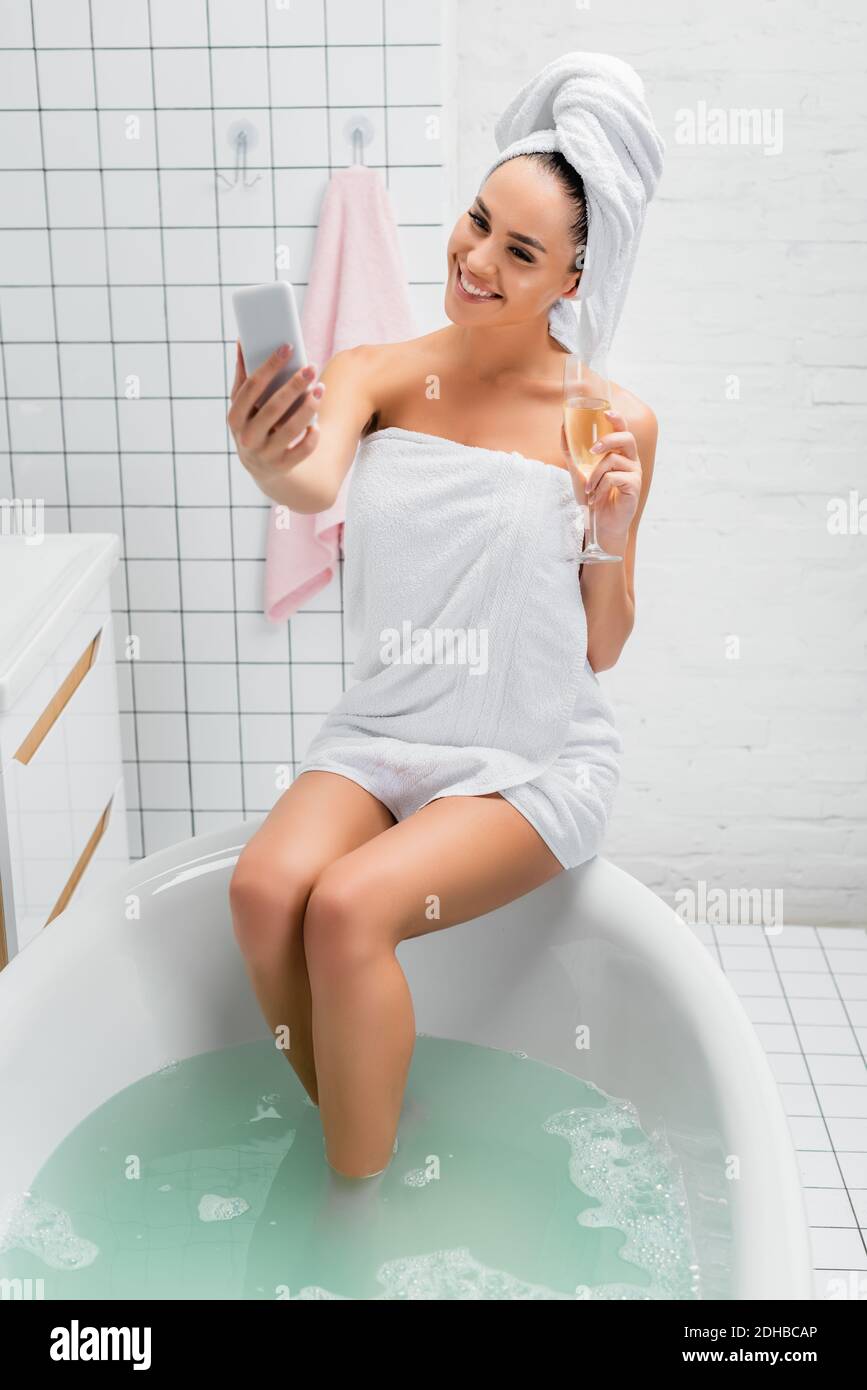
(103, 997)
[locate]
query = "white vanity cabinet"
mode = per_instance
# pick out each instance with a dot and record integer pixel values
(62, 806)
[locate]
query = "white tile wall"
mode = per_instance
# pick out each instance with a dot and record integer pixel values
(119, 249)
(119, 256)
(750, 771)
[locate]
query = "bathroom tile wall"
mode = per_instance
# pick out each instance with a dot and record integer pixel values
(741, 689)
(805, 992)
(121, 241)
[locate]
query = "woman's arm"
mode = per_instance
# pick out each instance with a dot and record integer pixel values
(620, 492)
(345, 410)
(307, 477)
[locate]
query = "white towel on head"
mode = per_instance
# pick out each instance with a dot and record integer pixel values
(591, 107)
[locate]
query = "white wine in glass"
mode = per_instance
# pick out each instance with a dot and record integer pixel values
(586, 397)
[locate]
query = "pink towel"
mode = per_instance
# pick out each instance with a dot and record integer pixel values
(357, 293)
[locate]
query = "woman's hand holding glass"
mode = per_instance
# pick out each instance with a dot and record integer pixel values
(601, 455)
(614, 488)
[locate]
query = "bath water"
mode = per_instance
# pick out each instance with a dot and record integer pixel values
(207, 1179)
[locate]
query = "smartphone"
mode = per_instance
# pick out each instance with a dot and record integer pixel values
(267, 315)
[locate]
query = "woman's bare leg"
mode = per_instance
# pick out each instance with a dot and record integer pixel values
(476, 853)
(321, 817)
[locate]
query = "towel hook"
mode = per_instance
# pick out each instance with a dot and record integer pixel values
(244, 136)
(360, 131)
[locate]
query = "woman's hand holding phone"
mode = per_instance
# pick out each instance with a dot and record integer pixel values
(263, 434)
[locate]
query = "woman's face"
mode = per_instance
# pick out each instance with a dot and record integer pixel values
(514, 244)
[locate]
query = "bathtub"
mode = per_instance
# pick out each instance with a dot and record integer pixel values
(146, 969)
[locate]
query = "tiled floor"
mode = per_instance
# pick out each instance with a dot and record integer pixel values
(805, 990)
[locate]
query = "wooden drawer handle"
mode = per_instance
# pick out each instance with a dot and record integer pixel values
(58, 702)
(81, 864)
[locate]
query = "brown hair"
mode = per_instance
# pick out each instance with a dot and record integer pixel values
(573, 184)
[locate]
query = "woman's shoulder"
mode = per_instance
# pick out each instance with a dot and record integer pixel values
(632, 406)
(373, 358)
(399, 353)
(642, 423)
(637, 413)
(392, 370)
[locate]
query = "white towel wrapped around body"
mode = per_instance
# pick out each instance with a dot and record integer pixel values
(591, 107)
(465, 616)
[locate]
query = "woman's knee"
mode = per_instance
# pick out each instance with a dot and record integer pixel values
(345, 921)
(267, 897)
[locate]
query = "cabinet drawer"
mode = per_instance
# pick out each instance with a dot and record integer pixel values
(104, 855)
(62, 756)
(108, 851)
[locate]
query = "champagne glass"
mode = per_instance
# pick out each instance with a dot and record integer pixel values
(586, 397)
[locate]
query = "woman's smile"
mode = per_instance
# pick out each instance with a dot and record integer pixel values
(468, 288)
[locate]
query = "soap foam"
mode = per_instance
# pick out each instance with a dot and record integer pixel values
(32, 1224)
(639, 1189)
(214, 1208)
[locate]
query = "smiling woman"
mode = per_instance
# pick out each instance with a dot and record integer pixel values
(514, 244)
(552, 162)
(431, 779)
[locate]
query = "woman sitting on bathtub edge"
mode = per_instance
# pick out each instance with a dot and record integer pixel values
(332, 881)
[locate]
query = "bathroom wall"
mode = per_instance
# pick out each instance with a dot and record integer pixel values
(741, 690)
(120, 245)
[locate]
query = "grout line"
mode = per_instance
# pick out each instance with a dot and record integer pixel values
(218, 227)
(341, 659)
(200, 47)
(172, 429)
(118, 451)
